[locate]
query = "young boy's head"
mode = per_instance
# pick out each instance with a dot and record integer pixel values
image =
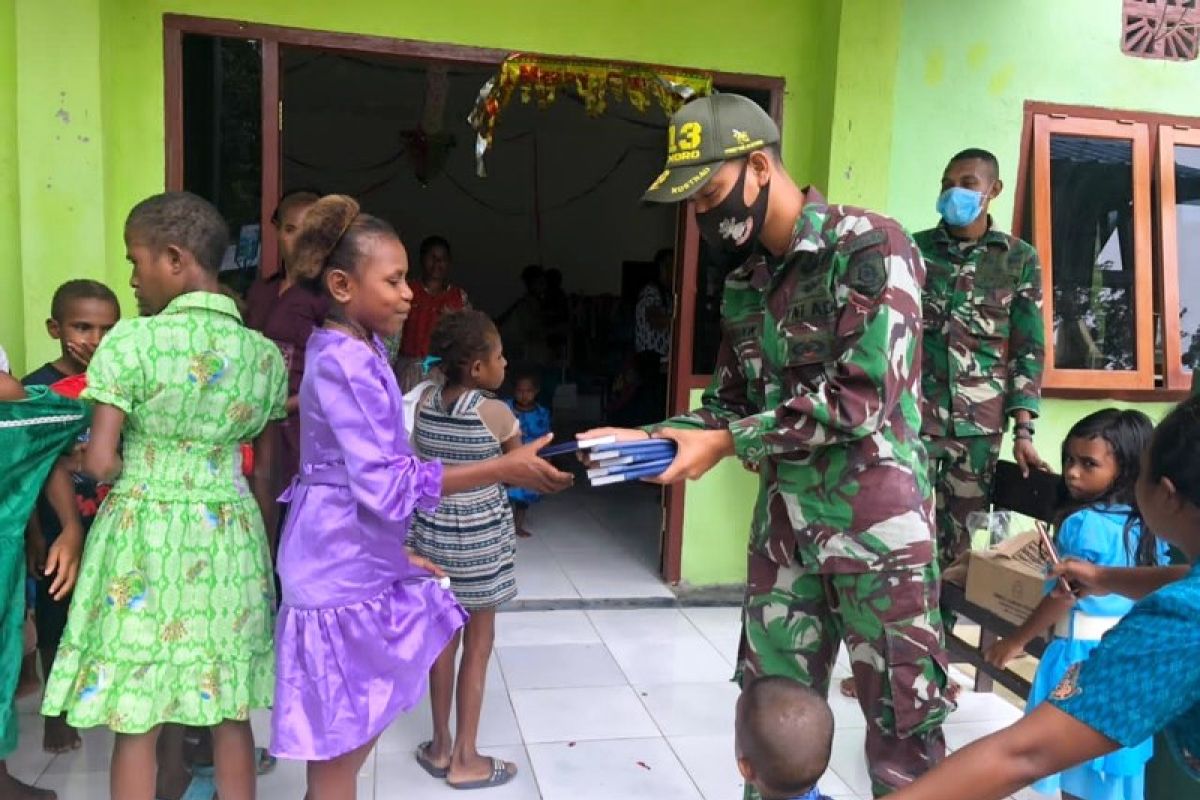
(175, 241)
(81, 313)
(526, 385)
(783, 737)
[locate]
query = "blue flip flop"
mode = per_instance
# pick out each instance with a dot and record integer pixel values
(201, 788)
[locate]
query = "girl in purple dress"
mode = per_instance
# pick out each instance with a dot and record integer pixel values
(361, 620)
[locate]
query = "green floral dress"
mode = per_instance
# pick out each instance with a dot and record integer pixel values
(172, 618)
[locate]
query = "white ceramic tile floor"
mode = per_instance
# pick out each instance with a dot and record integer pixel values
(566, 702)
(593, 545)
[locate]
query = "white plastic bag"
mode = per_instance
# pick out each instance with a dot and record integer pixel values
(989, 528)
(412, 399)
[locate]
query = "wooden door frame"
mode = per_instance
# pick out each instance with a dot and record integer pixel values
(273, 37)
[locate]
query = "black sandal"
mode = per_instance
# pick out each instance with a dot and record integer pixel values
(500, 776)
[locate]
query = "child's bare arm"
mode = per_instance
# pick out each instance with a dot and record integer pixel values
(1048, 612)
(102, 460)
(1133, 582)
(520, 467)
(10, 388)
(263, 482)
(1045, 742)
(62, 560)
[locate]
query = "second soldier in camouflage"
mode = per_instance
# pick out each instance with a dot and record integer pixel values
(984, 346)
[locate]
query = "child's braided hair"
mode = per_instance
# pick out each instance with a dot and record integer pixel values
(459, 339)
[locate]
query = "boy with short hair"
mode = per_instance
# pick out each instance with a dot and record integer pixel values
(82, 312)
(783, 738)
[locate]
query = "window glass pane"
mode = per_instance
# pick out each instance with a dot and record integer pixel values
(1091, 209)
(1187, 220)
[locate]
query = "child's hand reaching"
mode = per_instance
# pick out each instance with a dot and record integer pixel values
(421, 562)
(1002, 652)
(523, 467)
(63, 561)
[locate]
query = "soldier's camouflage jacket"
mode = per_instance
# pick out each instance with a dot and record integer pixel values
(817, 379)
(984, 342)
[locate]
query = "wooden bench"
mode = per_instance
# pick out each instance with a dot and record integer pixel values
(1037, 496)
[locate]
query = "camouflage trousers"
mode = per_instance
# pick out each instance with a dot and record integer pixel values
(794, 621)
(961, 472)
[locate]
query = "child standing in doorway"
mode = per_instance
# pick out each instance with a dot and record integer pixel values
(470, 535)
(82, 312)
(361, 620)
(171, 621)
(1101, 459)
(534, 419)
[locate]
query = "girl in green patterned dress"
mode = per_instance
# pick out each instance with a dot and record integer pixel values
(171, 621)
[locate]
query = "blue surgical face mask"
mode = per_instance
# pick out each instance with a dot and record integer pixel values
(959, 206)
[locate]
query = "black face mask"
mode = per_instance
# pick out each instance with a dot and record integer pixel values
(732, 228)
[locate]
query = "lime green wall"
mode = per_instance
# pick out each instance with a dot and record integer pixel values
(11, 317)
(61, 192)
(861, 128)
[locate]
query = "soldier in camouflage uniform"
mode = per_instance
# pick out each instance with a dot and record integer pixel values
(816, 388)
(984, 346)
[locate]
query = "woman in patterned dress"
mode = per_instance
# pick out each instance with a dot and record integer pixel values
(172, 619)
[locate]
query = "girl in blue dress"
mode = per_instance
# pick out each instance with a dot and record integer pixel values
(1100, 460)
(534, 419)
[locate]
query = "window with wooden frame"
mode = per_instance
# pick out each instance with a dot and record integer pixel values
(1112, 204)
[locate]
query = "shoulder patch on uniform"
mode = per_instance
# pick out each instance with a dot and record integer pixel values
(867, 274)
(871, 238)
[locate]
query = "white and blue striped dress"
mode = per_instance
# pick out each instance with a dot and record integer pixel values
(471, 535)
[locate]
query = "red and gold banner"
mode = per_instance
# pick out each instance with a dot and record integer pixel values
(595, 82)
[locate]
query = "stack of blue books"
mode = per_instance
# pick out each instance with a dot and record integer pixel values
(611, 461)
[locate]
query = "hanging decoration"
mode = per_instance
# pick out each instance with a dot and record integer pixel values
(427, 145)
(595, 82)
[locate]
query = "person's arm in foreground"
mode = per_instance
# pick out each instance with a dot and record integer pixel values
(264, 482)
(1045, 742)
(62, 560)
(1051, 609)
(10, 388)
(1133, 582)
(102, 459)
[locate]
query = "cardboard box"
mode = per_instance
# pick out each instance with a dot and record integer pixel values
(1008, 580)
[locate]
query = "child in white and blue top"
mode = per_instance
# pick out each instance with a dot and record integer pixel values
(1101, 457)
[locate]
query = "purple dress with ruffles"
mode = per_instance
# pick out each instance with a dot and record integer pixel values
(359, 625)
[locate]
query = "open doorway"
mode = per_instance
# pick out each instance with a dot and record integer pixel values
(561, 196)
(344, 113)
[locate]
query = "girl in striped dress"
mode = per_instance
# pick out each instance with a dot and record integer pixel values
(471, 535)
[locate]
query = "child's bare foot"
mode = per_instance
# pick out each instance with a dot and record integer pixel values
(29, 682)
(523, 533)
(13, 789)
(59, 737)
